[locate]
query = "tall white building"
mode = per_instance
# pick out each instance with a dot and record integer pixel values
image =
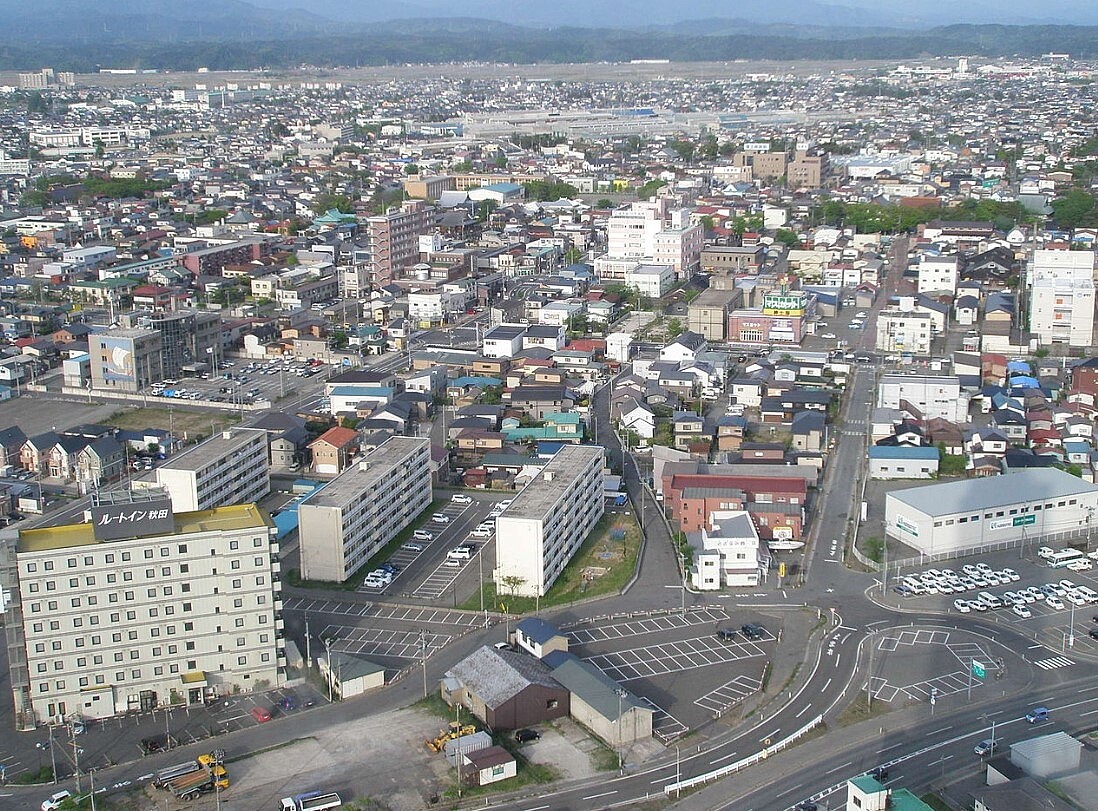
(140, 607)
(924, 396)
(1061, 300)
(349, 520)
(938, 274)
(549, 520)
(726, 552)
(655, 233)
(900, 330)
(232, 467)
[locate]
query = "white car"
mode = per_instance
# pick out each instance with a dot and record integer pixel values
(481, 532)
(1054, 602)
(423, 535)
(1080, 565)
(55, 800)
(970, 570)
(830, 336)
(439, 518)
(962, 606)
(1075, 598)
(460, 498)
(506, 503)
(1022, 611)
(1011, 575)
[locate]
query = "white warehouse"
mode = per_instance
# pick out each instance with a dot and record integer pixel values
(930, 395)
(957, 516)
(549, 520)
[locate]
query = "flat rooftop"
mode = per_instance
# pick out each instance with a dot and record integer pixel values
(346, 488)
(973, 495)
(538, 498)
(212, 449)
(64, 536)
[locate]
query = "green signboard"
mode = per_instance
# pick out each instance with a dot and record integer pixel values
(1025, 520)
(978, 669)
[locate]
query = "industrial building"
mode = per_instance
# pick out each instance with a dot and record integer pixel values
(957, 516)
(140, 606)
(349, 520)
(228, 468)
(548, 521)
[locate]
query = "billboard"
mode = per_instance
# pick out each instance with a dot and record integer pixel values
(132, 519)
(118, 360)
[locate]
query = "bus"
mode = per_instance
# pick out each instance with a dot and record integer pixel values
(1058, 560)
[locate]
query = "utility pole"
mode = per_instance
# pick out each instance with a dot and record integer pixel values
(423, 655)
(308, 642)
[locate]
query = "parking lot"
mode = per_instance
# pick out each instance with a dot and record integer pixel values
(678, 663)
(423, 568)
(239, 382)
(1053, 606)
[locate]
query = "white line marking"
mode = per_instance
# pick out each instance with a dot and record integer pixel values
(837, 768)
(596, 796)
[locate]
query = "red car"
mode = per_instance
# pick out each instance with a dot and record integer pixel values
(261, 714)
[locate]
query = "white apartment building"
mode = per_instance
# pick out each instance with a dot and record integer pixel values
(1061, 301)
(651, 231)
(904, 331)
(144, 609)
(548, 521)
(349, 520)
(228, 468)
(651, 281)
(726, 553)
(930, 396)
(938, 273)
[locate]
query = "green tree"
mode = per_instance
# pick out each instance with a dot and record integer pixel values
(326, 202)
(543, 190)
(411, 169)
(649, 188)
(787, 237)
(604, 202)
(1076, 209)
(501, 161)
(685, 149)
(100, 148)
(674, 327)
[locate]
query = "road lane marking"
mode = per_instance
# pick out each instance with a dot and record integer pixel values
(723, 757)
(766, 738)
(596, 796)
(1092, 712)
(824, 688)
(837, 768)
(807, 707)
(943, 729)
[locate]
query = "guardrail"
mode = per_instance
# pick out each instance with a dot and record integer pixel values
(743, 763)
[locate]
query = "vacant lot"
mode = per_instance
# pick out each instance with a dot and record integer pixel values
(189, 425)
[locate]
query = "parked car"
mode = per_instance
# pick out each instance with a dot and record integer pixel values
(962, 606)
(1022, 611)
(752, 631)
(288, 702)
(440, 518)
(261, 714)
(423, 535)
(460, 498)
(526, 735)
(726, 634)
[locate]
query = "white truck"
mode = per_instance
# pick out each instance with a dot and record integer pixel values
(311, 801)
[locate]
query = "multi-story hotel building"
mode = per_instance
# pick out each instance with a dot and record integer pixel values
(232, 467)
(141, 607)
(549, 520)
(349, 520)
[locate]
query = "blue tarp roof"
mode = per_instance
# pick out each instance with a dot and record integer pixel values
(286, 520)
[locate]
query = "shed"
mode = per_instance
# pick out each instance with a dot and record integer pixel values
(505, 689)
(601, 704)
(489, 766)
(1047, 755)
(352, 675)
(465, 745)
(539, 637)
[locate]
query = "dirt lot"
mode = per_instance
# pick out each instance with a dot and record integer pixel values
(186, 424)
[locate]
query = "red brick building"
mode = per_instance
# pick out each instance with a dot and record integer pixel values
(771, 501)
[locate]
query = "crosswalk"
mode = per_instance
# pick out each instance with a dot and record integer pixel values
(1054, 662)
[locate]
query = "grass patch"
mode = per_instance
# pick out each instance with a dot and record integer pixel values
(434, 705)
(43, 775)
(189, 424)
(293, 576)
(604, 759)
(600, 566)
(860, 710)
(936, 802)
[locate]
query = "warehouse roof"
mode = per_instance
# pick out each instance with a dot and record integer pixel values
(971, 495)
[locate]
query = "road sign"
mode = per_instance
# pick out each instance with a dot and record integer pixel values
(1025, 520)
(978, 669)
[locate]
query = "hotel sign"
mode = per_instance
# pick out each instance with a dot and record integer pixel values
(132, 519)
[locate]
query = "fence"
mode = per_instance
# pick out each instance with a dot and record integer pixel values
(983, 549)
(750, 760)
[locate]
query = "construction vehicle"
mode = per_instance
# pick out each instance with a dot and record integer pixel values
(207, 775)
(311, 801)
(455, 730)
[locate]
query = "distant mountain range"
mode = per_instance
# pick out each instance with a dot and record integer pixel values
(82, 35)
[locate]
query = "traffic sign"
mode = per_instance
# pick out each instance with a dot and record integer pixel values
(1025, 520)
(978, 669)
